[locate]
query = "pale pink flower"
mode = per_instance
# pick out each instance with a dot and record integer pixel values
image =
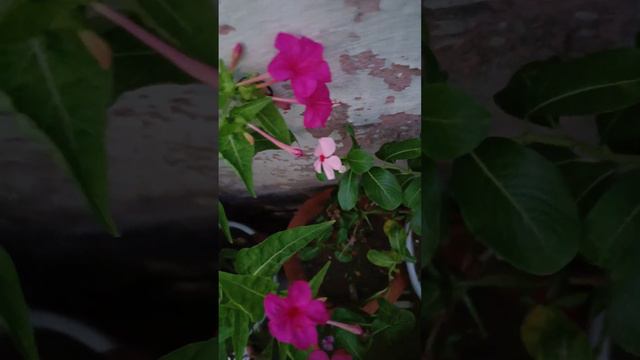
(293, 319)
(299, 59)
(327, 162)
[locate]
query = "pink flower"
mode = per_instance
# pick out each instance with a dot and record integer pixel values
(299, 59)
(338, 355)
(293, 319)
(318, 108)
(326, 161)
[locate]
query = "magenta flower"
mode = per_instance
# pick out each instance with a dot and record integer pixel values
(318, 107)
(293, 319)
(299, 59)
(337, 355)
(326, 161)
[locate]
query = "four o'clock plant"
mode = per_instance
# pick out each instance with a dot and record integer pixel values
(255, 317)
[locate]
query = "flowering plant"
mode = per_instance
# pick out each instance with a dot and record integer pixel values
(376, 195)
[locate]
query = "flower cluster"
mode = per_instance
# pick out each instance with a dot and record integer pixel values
(293, 320)
(301, 61)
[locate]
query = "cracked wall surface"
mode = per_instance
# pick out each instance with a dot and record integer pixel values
(373, 49)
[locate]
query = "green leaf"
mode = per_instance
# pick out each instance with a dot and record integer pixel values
(359, 161)
(396, 235)
(596, 83)
(14, 313)
(620, 130)
(391, 323)
(72, 94)
(382, 187)
(266, 258)
(433, 73)
(348, 190)
(246, 292)
(129, 56)
(613, 224)
(431, 220)
(203, 350)
(309, 253)
(189, 25)
(343, 257)
(250, 110)
(318, 278)
(516, 202)
(238, 152)
(549, 335)
(385, 259)
(271, 120)
(452, 123)
(400, 150)
(240, 325)
(623, 313)
(42, 16)
(223, 223)
(587, 181)
(352, 134)
(226, 89)
(351, 343)
(412, 195)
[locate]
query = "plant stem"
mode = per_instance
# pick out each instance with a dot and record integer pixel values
(595, 151)
(199, 71)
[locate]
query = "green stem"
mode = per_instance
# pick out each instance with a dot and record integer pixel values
(595, 151)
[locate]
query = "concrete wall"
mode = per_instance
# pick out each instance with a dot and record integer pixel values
(373, 49)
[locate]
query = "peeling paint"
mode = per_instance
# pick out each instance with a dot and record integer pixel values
(392, 127)
(363, 7)
(390, 99)
(225, 29)
(397, 77)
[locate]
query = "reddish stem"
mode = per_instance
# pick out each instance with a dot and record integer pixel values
(199, 71)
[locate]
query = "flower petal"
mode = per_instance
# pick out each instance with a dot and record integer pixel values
(274, 306)
(287, 43)
(279, 68)
(318, 355)
(305, 335)
(341, 354)
(327, 146)
(310, 49)
(282, 330)
(317, 166)
(303, 86)
(299, 293)
(317, 312)
(334, 162)
(328, 171)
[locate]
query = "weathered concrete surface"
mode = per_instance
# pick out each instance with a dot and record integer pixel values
(373, 49)
(162, 165)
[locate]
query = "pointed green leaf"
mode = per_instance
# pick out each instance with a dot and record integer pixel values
(613, 224)
(270, 120)
(250, 110)
(549, 335)
(72, 94)
(382, 187)
(595, 83)
(516, 202)
(238, 152)
(203, 350)
(431, 220)
(359, 161)
(318, 278)
(385, 259)
(246, 292)
(412, 194)
(400, 150)
(452, 122)
(623, 313)
(620, 130)
(223, 223)
(348, 190)
(14, 313)
(266, 258)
